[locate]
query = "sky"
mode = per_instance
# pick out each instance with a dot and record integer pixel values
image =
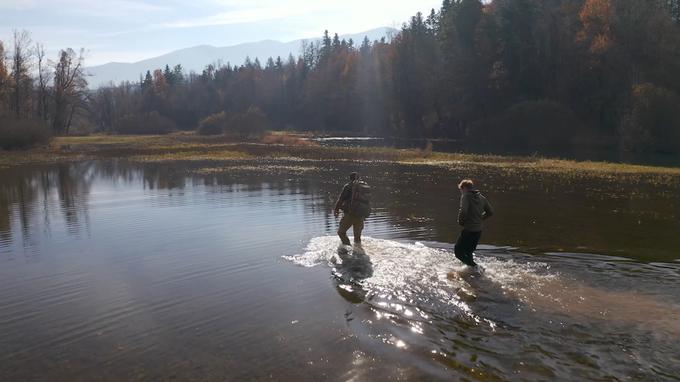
(129, 31)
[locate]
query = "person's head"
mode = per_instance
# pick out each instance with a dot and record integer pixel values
(466, 185)
(353, 177)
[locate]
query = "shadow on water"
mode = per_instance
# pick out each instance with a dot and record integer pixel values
(351, 266)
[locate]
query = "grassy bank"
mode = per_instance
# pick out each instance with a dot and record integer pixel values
(190, 147)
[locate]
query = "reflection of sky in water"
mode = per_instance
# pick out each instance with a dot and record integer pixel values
(550, 213)
(132, 264)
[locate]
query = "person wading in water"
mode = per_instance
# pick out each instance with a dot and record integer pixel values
(474, 208)
(354, 201)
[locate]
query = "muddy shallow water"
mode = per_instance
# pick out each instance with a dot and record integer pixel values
(118, 271)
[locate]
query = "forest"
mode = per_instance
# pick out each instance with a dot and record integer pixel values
(518, 73)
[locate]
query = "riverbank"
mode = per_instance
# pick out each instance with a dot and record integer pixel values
(289, 147)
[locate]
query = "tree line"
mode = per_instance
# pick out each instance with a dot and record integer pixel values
(39, 97)
(520, 73)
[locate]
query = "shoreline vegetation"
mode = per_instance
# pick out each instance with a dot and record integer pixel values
(283, 147)
(510, 73)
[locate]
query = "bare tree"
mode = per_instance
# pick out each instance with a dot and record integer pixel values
(4, 81)
(21, 66)
(70, 89)
(43, 81)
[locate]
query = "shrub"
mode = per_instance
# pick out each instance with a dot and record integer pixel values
(23, 133)
(652, 121)
(149, 123)
(528, 124)
(213, 125)
(253, 122)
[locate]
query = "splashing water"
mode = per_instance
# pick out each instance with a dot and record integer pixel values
(418, 298)
(415, 280)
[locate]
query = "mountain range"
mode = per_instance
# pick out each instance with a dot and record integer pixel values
(195, 59)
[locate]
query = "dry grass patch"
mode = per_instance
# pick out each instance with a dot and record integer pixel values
(296, 148)
(271, 168)
(287, 139)
(192, 156)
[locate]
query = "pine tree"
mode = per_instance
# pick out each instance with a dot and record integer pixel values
(148, 81)
(168, 74)
(178, 74)
(365, 47)
(325, 49)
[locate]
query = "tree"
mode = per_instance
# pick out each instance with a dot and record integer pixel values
(148, 81)
(365, 47)
(43, 81)
(178, 74)
(70, 89)
(4, 81)
(415, 67)
(21, 66)
(597, 17)
(169, 75)
(324, 51)
(514, 69)
(652, 121)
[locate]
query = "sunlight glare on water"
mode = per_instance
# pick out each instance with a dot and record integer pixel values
(411, 296)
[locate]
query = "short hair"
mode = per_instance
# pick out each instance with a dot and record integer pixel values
(353, 176)
(466, 183)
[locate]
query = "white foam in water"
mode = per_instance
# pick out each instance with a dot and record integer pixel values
(400, 277)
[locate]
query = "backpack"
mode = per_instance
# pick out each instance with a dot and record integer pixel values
(360, 204)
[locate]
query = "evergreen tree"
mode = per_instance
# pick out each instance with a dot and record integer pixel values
(148, 81)
(169, 75)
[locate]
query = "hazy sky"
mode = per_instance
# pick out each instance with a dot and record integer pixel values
(129, 30)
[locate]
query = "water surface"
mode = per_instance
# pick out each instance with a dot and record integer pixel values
(118, 271)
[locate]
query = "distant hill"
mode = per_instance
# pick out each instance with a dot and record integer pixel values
(197, 57)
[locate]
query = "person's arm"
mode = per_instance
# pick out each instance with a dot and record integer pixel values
(488, 210)
(341, 198)
(463, 209)
(336, 209)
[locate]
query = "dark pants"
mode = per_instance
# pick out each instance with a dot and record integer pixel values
(466, 245)
(350, 221)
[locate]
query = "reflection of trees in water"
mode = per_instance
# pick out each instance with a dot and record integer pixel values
(402, 195)
(155, 176)
(29, 193)
(536, 211)
(73, 186)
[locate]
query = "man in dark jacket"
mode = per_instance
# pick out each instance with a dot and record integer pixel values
(348, 219)
(474, 208)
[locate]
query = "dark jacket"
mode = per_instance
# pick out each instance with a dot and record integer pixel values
(474, 208)
(345, 198)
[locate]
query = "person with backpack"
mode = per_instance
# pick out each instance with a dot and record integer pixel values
(355, 203)
(474, 208)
